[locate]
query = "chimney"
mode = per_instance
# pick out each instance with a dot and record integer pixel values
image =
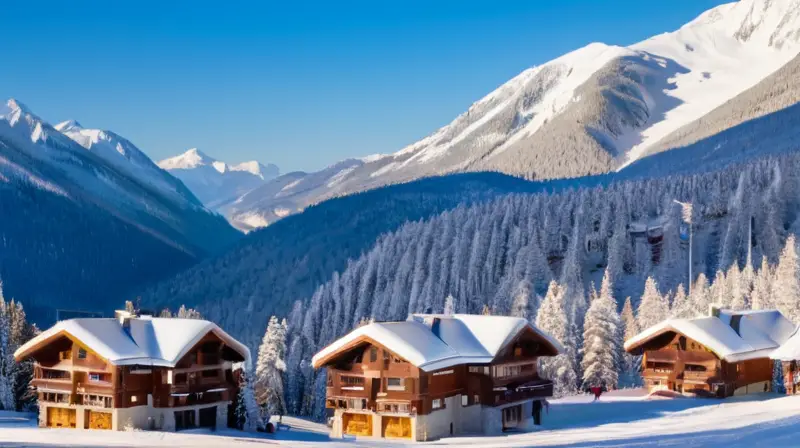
(714, 310)
(124, 319)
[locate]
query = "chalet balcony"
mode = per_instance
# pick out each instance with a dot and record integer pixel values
(53, 384)
(526, 391)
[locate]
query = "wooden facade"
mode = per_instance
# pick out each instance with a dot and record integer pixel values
(674, 362)
(368, 383)
(75, 384)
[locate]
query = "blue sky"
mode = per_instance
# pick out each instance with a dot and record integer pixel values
(300, 84)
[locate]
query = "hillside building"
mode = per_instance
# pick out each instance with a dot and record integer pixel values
(724, 354)
(433, 376)
(140, 372)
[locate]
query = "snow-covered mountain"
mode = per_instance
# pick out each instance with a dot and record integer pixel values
(108, 171)
(594, 110)
(214, 182)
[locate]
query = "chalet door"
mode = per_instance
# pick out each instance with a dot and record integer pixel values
(208, 417)
(512, 416)
(376, 387)
(184, 419)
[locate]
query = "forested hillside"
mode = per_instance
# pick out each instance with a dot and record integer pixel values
(269, 269)
(500, 256)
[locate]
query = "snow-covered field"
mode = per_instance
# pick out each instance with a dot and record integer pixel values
(623, 418)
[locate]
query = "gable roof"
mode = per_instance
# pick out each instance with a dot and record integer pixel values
(457, 339)
(149, 341)
(759, 333)
(789, 350)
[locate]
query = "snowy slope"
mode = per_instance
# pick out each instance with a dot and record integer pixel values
(108, 171)
(214, 182)
(620, 419)
(590, 111)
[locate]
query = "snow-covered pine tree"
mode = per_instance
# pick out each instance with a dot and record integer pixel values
(187, 313)
(681, 306)
(602, 344)
(248, 416)
(786, 288)
(653, 307)
(720, 290)
(552, 319)
(631, 365)
(761, 297)
(521, 300)
(738, 289)
(449, 305)
(701, 296)
(268, 383)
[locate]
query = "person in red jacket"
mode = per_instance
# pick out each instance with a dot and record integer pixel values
(596, 390)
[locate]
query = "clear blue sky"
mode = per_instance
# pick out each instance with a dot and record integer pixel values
(300, 84)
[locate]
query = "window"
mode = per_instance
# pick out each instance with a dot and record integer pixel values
(94, 377)
(81, 353)
(134, 399)
(437, 403)
(465, 400)
(476, 399)
(373, 354)
(395, 384)
(443, 372)
(180, 378)
(210, 373)
(66, 354)
(169, 376)
(352, 380)
(329, 381)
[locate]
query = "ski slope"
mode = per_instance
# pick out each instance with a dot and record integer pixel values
(620, 419)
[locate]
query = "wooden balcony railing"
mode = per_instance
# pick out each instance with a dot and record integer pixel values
(536, 389)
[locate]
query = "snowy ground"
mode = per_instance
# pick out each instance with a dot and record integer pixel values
(620, 419)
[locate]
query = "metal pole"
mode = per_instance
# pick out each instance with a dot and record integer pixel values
(690, 259)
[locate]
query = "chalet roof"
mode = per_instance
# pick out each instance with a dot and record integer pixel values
(789, 350)
(759, 333)
(456, 339)
(148, 341)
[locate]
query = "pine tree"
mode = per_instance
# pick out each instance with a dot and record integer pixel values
(269, 370)
(701, 296)
(761, 297)
(552, 319)
(521, 300)
(187, 313)
(631, 365)
(602, 339)
(787, 282)
(681, 306)
(449, 305)
(248, 417)
(653, 307)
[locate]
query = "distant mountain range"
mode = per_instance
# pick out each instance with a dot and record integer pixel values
(86, 215)
(592, 111)
(220, 185)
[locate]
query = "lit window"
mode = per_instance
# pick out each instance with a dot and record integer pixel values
(476, 399)
(133, 398)
(94, 377)
(81, 353)
(437, 403)
(465, 400)
(169, 376)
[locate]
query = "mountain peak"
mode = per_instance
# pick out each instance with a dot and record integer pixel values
(68, 125)
(186, 161)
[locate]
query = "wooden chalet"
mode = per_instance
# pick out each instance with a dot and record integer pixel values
(142, 372)
(725, 354)
(434, 376)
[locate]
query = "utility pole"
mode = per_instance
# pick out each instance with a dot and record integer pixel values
(686, 209)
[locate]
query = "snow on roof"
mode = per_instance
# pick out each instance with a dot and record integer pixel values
(759, 333)
(149, 341)
(458, 339)
(789, 350)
